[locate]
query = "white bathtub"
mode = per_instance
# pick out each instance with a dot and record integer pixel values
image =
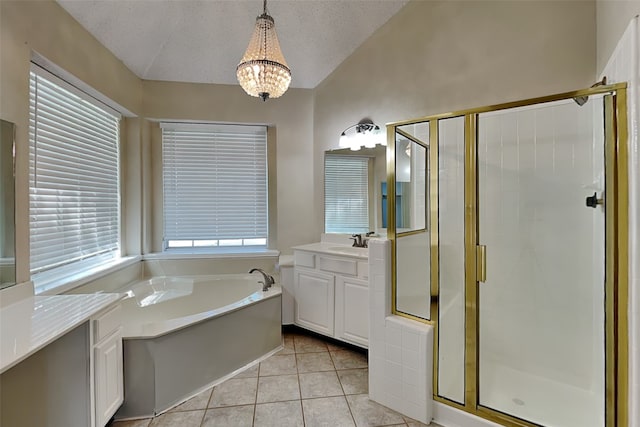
(160, 305)
(183, 334)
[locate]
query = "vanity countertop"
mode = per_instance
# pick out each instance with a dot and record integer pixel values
(30, 324)
(335, 249)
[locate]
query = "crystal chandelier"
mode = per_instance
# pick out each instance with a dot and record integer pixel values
(263, 72)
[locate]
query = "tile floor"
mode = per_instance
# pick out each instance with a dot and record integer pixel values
(311, 382)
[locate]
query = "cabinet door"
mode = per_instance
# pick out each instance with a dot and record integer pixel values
(352, 310)
(108, 377)
(314, 300)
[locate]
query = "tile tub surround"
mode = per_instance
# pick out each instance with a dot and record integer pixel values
(331, 391)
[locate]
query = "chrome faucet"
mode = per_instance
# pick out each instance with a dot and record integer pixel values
(268, 280)
(359, 242)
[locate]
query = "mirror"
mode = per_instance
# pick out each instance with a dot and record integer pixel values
(7, 215)
(412, 234)
(354, 182)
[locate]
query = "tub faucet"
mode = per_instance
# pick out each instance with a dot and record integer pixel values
(268, 280)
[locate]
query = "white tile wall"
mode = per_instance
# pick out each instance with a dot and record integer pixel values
(400, 350)
(623, 66)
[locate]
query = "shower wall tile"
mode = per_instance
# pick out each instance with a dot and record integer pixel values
(623, 66)
(400, 350)
(394, 353)
(521, 158)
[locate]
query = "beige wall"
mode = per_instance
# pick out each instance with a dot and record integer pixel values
(433, 56)
(439, 56)
(613, 17)
(44, 27)
(292, 117)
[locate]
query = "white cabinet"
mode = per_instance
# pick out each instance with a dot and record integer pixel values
(314, 296)
(352, 310)
(332, 296)
(65, 360)
(107, 365)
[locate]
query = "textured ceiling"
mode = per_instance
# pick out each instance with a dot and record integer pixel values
(203, 41)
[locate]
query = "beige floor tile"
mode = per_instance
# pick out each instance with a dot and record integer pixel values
(182, 419)
(240, 391)
(327, 412)
(279, 414)
(354, 381)
(278, 388)
(369, 414)
(319, 384)
(307, 344)
(287, 342)
(132, 423)
(236, 416)
(314, 362)
(348, 359)
(284, 364)
(413, 423)
(334, 347)
(199, 401)
(251, 372)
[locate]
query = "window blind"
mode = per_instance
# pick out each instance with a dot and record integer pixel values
(74, 198)
(346, 194)
(215, 185)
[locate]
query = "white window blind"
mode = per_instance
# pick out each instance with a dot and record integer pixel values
(74, 203)
(346, 194)
(215, 185)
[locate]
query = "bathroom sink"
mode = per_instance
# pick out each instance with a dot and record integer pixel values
(350, 250)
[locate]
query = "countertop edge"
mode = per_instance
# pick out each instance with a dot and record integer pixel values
(324, 248)
(106, 300)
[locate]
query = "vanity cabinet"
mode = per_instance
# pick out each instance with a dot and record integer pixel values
(352, 310)
(108, 372)
(314, 300)
(332, 295)
(61, 361)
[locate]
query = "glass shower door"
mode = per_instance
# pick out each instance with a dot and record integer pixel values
(541, 338)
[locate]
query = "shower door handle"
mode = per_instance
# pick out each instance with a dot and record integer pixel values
(481, 263)
(593, 201)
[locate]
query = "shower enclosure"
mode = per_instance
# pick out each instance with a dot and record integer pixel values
(520, 259)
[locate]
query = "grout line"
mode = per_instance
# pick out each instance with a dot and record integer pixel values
(255, 400)
(295, 357)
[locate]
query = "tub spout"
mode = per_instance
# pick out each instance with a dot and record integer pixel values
(268, 280)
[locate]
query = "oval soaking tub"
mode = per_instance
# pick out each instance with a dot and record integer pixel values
(183, 334)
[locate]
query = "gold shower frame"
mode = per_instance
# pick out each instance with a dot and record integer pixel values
(616, 247)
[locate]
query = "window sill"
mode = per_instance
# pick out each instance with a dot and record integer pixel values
(54, 285)
(208, 253)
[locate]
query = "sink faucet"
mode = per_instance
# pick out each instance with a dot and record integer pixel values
(268, 280)
(357, 241)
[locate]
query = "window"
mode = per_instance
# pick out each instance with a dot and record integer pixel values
(74, 197)
(346, 194)
(215, 186)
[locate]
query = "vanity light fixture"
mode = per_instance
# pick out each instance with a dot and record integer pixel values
(364, 133)
(263, 72)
